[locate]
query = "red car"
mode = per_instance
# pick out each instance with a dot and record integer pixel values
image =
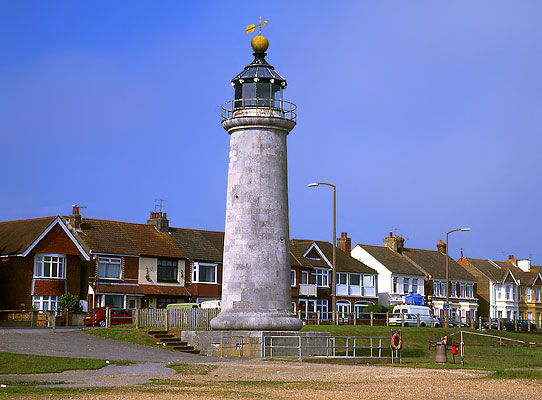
(118, 316)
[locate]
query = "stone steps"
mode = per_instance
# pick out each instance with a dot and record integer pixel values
(172, 340)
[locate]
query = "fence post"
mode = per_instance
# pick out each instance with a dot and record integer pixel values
(387, 318)
(418, 320)
(499, 322)
(403, 320)
(318, 317)
(479, 322)
(108, 318)
(372, 318)
(167, 319)
(355, 317)
(137, 318)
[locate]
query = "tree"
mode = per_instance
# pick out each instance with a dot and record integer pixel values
(70, 301)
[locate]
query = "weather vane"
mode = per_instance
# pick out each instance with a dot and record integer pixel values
(252, 27)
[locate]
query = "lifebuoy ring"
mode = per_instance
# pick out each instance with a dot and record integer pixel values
(396, 341)
(444, 339)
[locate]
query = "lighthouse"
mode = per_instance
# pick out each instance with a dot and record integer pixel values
(256, 291)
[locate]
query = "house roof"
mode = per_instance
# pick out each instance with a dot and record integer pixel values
(393, 261)
(488, 269)
(434, 263)
(199, 245)
(525, 277)
(17, 236)
(345, 262)
(127, 238)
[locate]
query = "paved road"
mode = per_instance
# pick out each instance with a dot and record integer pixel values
(75, 343)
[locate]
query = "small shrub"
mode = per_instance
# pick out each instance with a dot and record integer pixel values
(69, 301)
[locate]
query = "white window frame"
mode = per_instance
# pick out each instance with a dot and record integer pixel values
(470, 290)
(56, 261)
(195, 272)
(293, 275)
(305, 277)
(528, 296)
(406, 285)
(394, 284)
(414, 285)
(436, 288)
(107, 260)
(463, 290)
(323, 274)
(453, 289)
(365, 288)
(45, 303)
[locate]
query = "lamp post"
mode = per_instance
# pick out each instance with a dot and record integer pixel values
(333, 271)
(447, 277)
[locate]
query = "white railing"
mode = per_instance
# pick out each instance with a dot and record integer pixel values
(307, 289)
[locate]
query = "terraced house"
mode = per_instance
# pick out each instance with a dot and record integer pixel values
(507, 289)
(401, 270)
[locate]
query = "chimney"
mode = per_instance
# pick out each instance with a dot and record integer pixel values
(441, 246)
(397, 243)
(525, 265)
(159, 220)
(344, 243)
(75, 218)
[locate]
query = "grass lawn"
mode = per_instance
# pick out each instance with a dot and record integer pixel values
(13, 363)
(480, 352)
(126, 333)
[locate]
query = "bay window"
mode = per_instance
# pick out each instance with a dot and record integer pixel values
(320, 277)
(44, 303)
(204, 273)
(50, 266)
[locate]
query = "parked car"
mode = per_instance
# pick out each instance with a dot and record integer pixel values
(507, 324)
(452, 323)
(523, 325)
(118, 316)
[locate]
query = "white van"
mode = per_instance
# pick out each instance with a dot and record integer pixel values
(409, 314)
(211, 304)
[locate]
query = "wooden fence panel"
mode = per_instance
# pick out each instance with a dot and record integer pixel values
(188, 319)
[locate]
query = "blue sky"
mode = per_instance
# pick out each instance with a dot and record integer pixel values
(425, 114)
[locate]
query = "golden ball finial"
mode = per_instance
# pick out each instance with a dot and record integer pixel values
(259, 44)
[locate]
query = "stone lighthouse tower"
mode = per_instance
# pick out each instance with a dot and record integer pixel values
(256, 292)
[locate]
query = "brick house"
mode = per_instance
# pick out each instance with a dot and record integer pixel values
(507, 289)
(356, 282)
(40, 260)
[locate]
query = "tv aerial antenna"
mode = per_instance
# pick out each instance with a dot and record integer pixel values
(159, 204)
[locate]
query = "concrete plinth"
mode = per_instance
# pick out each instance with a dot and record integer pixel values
(250, 343)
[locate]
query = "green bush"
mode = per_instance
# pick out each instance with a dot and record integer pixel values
(70, 301)
(375, 308)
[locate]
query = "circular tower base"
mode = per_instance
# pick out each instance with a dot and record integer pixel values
(259, 321)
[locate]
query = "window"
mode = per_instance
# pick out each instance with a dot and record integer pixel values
(443, 288)
(530, 316)
(537, 294)
(342, 278)
(514, 293)
(321, 305)
(463, 290)
(528, 294)
(167, 270)
(507, 292)
(204, 273)
(519, 294)
(320, 277)
(369, 285)
(406, 285)
(49, 266)
(44, 303)
(113, 301)
(109, 267)
(470, 290)
(292, 277)
(436, 288)
(304, 277)
(162, 302)
(498, 289)
(355, 279)
(453, 289)
(395, 283)
(414, 285)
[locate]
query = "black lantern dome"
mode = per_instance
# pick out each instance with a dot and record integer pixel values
(258, 84)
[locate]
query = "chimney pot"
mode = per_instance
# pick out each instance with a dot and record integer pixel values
(391, 234)
(511, 257)
(344, 243)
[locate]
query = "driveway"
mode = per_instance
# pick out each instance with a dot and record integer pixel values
(75, 343)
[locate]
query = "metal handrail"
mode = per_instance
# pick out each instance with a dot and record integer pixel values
(285, 109)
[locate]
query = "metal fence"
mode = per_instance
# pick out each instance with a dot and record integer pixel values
(191, 319)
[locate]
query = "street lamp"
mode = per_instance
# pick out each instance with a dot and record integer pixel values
(333, 271)
(447, 279)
